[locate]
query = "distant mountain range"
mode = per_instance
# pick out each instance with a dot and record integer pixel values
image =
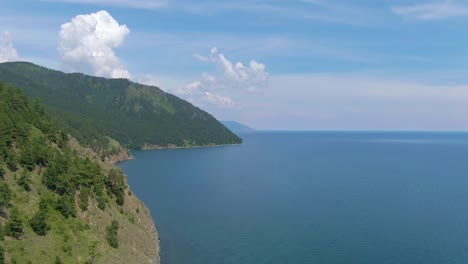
(93, 109)
(237, 127)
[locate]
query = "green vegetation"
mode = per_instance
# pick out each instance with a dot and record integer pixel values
(38, 223)
(14, 226)
(58, 260)
(112, 234)
(91, 108)
(5, 196)
(24, 181)
(56, 198)
(2, 255)
(116, 185)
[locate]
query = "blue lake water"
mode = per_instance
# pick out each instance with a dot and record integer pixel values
(310, 197)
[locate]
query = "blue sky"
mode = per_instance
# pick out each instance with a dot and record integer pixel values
(297, 64)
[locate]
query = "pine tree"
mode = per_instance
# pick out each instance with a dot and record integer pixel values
(58, 260)
(112, 237)
(25, 181)
(66, 206)
(5, 196)
(2, 255)
(84, 197)
(14, 226)
(38, 223)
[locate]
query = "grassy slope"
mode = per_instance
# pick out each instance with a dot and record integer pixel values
(71, 238)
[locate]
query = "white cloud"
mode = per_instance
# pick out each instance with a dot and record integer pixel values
(252, 78)
(7, 50)
(201, 58)
(432, 11)
(147, 79)
(202, 95)
(219, 100)
(230, 79)
(137, 4)
(87, 45)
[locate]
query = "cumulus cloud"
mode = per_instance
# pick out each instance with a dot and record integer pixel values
(7, 50)
(87, 45)
(432, 11)
(216, 89)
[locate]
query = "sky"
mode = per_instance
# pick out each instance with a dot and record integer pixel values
(270, 64)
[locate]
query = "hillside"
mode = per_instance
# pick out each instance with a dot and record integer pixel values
(58, 202)
(91, 108)
(237, 127)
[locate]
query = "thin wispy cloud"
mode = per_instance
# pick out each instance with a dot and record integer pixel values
(137, 4)
(432, 10)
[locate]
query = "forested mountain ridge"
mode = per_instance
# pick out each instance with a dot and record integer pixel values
(58, 202)
(135, 115)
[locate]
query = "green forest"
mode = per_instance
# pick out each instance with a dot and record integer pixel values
(47, 188)
(92, 108)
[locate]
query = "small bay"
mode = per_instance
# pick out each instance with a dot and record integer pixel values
(310, 197)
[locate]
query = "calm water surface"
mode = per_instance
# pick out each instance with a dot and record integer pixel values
(310, 197)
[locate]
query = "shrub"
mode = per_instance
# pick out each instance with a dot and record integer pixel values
(112, 236)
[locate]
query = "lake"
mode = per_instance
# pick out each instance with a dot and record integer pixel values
(310, 197)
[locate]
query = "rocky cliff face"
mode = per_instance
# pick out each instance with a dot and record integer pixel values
(139, 240)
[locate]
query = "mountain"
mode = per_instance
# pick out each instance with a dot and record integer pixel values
(59, 203)
(236, 127)
(136, 115)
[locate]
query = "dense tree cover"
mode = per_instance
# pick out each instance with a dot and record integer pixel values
(112, 234)
(32, 145)
(22, 137)
(45, 179)
(133, 114)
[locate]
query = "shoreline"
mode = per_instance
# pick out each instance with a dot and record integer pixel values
(116, 159)
(156, 147)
